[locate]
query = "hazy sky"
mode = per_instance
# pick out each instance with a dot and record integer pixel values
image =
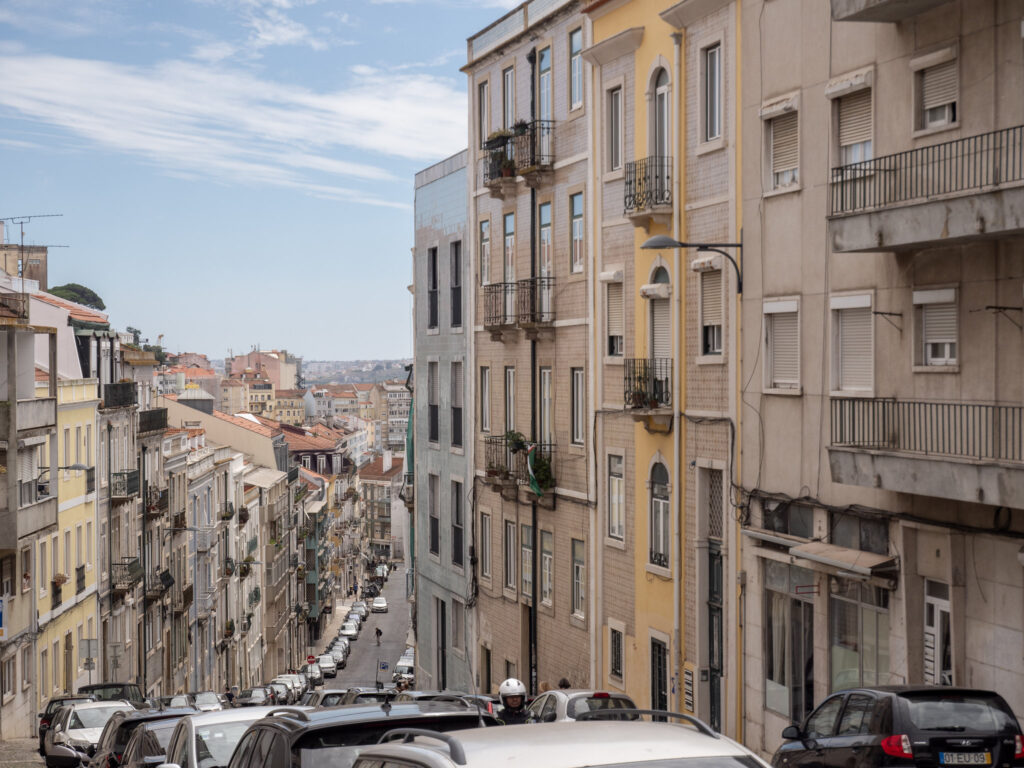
(234, 172)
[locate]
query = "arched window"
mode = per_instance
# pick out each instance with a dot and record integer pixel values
(661, 121)
(659, 517)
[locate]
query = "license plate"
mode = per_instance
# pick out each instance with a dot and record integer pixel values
(965, 758)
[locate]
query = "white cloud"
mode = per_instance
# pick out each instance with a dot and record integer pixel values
(274, 28)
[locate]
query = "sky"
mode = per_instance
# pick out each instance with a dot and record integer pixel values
(233, 173)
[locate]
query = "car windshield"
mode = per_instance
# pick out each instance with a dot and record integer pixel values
(252, 693)
(215, 743)
(582, 704)
(325, 659)
(110, 692)
(331, 699)
(162, 731)
(175, 701)
(93, 717)
(207, 699)
(959, 712)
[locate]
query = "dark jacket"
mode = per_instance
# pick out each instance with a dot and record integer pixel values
(512, 716)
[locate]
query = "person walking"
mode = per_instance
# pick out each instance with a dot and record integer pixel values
(378, 633)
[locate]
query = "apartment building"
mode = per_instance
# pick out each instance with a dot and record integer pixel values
(439, 474)
(531, 258)
(881, 350)
(384, 517)
(395, 403)
(289, 407)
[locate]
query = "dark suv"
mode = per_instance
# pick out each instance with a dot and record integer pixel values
(927, 727)
(129, 692)
(334, 737)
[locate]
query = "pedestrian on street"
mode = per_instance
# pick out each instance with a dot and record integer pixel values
(378, 633)
(229, 694)
(564, 683)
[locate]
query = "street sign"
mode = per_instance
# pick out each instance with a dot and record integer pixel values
(310, 659)
(89, 665)
(89, 648)
(383, 666)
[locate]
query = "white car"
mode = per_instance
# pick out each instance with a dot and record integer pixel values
(76, 728)
(327, 665)
(209, 739)
(349, 630)
(567, 704)
(207, 701)
(379, 605)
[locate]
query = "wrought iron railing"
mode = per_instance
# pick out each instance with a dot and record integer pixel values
(497, 458)
(542, 465)
(648, 183)
(120, 395)
(56, 593)
(658, 558)
(530, 147)
(124, 485)
(126, 573)
(156, 501)
(535, 301)
(152, 420)
(961, 165)
(958, 430)
(648, 383)
(499, 305)
(90, 480)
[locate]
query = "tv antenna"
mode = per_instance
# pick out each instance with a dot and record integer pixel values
(21, 221)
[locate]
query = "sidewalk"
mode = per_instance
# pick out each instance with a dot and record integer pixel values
(20, 753)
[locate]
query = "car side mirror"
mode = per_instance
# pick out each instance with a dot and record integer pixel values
(791, 732)
(40, 715)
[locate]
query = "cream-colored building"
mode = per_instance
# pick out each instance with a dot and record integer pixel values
(882, 357)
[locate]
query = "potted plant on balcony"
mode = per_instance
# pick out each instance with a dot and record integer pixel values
(542, 471)
(245, 567)
(519, 127)
(497, 139)
(508, 167)
(515, 441)
(243, 515)
(60, 579)
(229, 628)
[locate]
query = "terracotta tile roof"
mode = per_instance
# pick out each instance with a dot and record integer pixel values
(76, 311)
(375, 469)
(293, 393)
(231, 383)
(364, 386)
(252, 426)
(41, 375)
(193, 371)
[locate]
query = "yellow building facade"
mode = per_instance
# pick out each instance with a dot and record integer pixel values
(67, 603)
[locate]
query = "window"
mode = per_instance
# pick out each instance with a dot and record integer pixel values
(864, 533)
(9, 675)
(483, 112)
(711, 312)
(432, 288)
(433, 427)
(938, 92)
(43, 574)
(88, 544)
(659, 674)
(455, 253)
(546, 428)
(307, 462)
(935, 325)
(508, 310)
(659, 521)
(855, 127)
(711, 61)
(321, 464)
(26, 568)
(547, 560)
(526, 544)
(576, 209)
(783, 143)
(26, 666)
(508, 96)
(458, 526)
(852, 352)
(485, 545)
(576, 69)
(510, 555)
(615, 129)
(538, 307)
(790, 518)
(544, 99)
(858, 634)
(614, 320)
(433, 512)
(485, 252)
(788, 641)
(457, 388)
(579, 406)
(510, 398)
(44, 672)
(782, 345)
(615, 652)
(616, 499)
(458, 625)
(485, 399)
(67, 448)
(579, 578)
(660, 116)
(79, 551)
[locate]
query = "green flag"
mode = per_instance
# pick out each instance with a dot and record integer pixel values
(531, 452)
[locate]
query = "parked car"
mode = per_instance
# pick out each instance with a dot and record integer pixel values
(257, 696)
(129, 692)
(905, 725)
(294, 691)
(380, 605)
(567, 704)
(282, 693)
(300, 680)
(207, 740)
(365, 694)
(75, 730)
(118, 731)
(178, 700)
(404, 671)
(325, 698)
(349, 630)
(148, 745)
(370, 591)
(356, 617)
(327, 665)
(339, 656)
(207, 701)
(361, 608)
(313, 673)
(46, 716)
(334, 737)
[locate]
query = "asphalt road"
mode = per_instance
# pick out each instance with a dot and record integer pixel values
(363, 666)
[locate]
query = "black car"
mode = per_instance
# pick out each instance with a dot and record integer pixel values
(51, 709)
(129, 692)
(148, 745)
(119, 729)
(254, 697)
(927, 727)
(334, 736)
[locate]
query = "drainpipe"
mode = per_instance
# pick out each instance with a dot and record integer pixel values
(145, 572)
(531, 57)
(680, 467)
(110, 532)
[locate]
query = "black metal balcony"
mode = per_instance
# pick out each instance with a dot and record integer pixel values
(648, 184)
(964, 165)
(79, 579)
(126, 573)
(124, 394)
(535, 301)
(543, 465)
(293, 475)
(228, 511)
(157, 501)
(648, 383)
(499, 306)
(124, 485)
(158, 581)
(152, 420)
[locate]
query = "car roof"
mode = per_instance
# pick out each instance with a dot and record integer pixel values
(568, 744)
(287, 719)
(902, 690)
(234, 715)
(101, 704)
(145, 715)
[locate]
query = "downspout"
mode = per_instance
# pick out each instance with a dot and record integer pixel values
(110, 532)
(596, 384)
(531, 57)
(740, 731)
(677, 505)
(145, 570)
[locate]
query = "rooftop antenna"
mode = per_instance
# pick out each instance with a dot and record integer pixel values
(21, 221)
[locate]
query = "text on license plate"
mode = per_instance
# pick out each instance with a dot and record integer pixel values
(965, 758)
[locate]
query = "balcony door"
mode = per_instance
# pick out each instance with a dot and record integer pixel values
(545, 407)
(661, 340)
(509, 274)
(662, 136)
(546, 269)
(543, 134)
(938, 656)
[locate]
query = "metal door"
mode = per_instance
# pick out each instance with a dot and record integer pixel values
(938, 657)
(715, 643)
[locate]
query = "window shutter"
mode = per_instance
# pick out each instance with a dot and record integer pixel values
(939, 322)
(615, 309)
(711, 297)
(661, 331)
(25, 473)
(457, 385)
(784, 143)
(855, 348)
(939, 85)
(785, 350)
(855, 118)
(432, 384)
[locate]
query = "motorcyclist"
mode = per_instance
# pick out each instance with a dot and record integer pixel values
(512, 694)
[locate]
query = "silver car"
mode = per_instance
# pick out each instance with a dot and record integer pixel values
(567, 704)
(76, 728)
(207, 740)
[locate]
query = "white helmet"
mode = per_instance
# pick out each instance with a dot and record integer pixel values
(511, 687)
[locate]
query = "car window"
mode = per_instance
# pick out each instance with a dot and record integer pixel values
(537, 705)
(157, 736)
(262, 750)
(94, 717)
(959, 712)
(331, 699)
(216, 742)
(822, 723)
(856, 715)
(240, 759)
(178, 751)
(580, 704)
(550, 710)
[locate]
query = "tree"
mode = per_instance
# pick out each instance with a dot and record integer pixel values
(79, 294)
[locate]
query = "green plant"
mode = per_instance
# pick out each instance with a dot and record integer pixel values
(519, 127)
(542, 471)
(515, 441)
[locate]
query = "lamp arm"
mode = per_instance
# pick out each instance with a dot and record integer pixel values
(739, 276)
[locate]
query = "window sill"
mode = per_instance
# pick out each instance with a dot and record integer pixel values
(434, 446)
(714, 145)
(456, 329)
(509, 594)
(852, 393)
(784, 391)
(614, 360)
(575, 277)
(780, 191)
(935, 369)
(576, 112)
(615, 543)
(921, 133)
(577, 620)
(457, 450)
(659, 571)
(433, 331)
(710, 360)
(616, 175)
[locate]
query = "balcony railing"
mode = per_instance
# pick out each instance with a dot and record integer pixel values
(152, 420)
(497, 458)
(963, 165)
(16, 304)
(542, 465)
(124, 485)
(156, 501)
(228, 511)
(254, 596)
(124, 394)
(648, 383)
(956, 430)
(535, 301)
(79, 579)
(648, 183)
(157, 583)
(126, 574)
(499, 305)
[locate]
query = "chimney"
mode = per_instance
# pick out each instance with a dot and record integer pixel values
(386, 461)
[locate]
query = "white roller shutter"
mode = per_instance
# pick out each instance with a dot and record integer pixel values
(855, 355)
(456, 385)
(432, 383)
(939, 322)
(855, 118)
(711, 297)
(615, 309)
(785, 155)
(939, 85)
(661, 328)
(785, 350)
(26, 470)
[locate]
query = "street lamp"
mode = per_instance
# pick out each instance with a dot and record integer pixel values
(662, 242)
